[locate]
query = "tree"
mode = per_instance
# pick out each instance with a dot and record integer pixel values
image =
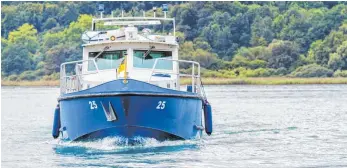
(321, 49)
(335, 62)
(262, 32)
(15, 59)
(319, 52)
(284, 54)
(9, 20)
(68, 13)
(50, 23)
(73, 33)
(312, 70)
(205, 58)
(25, 35)
(52, 39)
(342, 52)
(260, 52)
(255, 36)
(59, 54)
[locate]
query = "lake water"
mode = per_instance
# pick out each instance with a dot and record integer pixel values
(254, 126)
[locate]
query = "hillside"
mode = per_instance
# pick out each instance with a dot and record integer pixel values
(229, 39)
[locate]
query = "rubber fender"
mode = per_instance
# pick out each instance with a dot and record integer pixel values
(56, 122)
(189, 88)
(208, 117)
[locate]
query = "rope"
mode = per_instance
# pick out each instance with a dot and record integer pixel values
(203, 91)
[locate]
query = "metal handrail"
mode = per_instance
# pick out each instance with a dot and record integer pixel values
(132, 18)
(63, 76)
(94, 20)
(193, 75)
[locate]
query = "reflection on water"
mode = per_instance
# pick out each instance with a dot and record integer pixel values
(254, 126)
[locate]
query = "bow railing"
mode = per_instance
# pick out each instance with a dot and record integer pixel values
(71, 75)
(194, 75)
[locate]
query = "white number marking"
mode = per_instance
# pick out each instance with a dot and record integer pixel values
(93, 105)
(161, 105)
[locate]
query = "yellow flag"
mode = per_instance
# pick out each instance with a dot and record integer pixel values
(121, 67)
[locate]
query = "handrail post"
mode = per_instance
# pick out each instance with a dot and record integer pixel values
(154, 65)
(97, 69)
(193, 74)
(174, 28)
(178, 76)
(199, 82)
(62, 84)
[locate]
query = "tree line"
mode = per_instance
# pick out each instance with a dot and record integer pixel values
(229, 39)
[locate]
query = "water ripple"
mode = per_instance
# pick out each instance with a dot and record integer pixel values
(254, 126)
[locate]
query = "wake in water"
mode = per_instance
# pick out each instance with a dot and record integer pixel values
(120, 145)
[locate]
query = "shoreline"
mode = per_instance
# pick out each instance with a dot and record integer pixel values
(214, 81)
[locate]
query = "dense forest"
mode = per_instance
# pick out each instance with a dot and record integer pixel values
(229, 39)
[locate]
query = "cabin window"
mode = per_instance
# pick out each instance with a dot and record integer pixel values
(148, 62)
(107, 60)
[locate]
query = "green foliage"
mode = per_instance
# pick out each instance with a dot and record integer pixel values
(260, 52)
(59, 54)
(27, 75)
(284, 54)
(53, 76)
(312, 70)
(240, 61)
(205, 58)
(340, 73)
(261, 72)
(335, 61)
(229, 39)
(25, 35)
(75, 30)
(262, 31)
(50, 23)
(15, 59)
(332, 51)
(12, 78)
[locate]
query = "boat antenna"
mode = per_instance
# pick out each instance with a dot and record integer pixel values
(154, 10)
(132, 12)
(165, 9)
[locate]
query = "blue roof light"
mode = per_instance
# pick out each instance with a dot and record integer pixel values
(165, 7)
(101, 7)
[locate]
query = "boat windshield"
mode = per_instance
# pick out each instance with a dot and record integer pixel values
(107, 60)
(148, 62)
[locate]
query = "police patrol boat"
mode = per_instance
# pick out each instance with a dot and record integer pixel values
(128, 85)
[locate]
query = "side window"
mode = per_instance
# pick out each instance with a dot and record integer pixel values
(107, 60)
(148, 62)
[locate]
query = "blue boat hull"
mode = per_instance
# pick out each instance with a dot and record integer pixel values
(148, 111)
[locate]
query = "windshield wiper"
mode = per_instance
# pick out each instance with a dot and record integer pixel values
(106, 48)
(147, 52)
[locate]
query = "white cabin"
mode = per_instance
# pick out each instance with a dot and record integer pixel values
(148, 57)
